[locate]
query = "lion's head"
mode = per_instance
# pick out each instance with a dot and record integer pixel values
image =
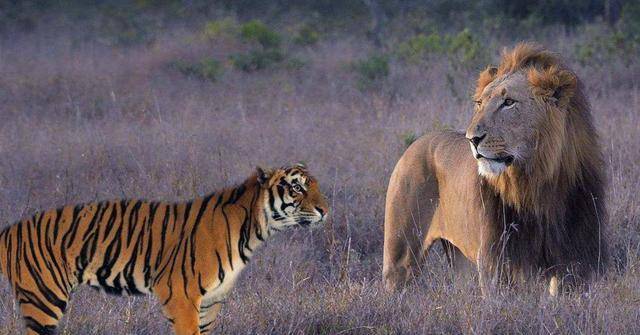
(531, 120)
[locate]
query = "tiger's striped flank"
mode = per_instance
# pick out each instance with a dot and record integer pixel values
(187, 254)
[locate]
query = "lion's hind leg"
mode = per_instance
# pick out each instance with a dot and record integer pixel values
(412, 198)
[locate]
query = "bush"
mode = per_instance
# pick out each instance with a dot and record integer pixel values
(417, 47)
(257, 31)
(206, 69)
(307, 36)
(295, 63)
(409, 138)
(465, 48)
(256, 60)
(414, 49)
(602, 46)
(226, 27)
(462, 49)
(630, 21)
(263, 56)
(372, 70)
(118, 26)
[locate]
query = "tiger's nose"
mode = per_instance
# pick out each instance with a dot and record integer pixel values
(475, 140)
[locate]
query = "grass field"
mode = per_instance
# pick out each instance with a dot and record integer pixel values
(82, 121)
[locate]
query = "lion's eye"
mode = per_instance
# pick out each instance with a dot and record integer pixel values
(296, 188)
(508, 102)
(478, 103)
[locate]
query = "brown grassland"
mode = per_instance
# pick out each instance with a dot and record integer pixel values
(81, 121)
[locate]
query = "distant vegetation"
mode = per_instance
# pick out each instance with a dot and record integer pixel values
(413, 32)
(454, 13)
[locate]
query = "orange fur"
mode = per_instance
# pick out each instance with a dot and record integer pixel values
(187, 254)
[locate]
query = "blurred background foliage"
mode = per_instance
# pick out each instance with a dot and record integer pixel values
(135, 17)
(267, 34)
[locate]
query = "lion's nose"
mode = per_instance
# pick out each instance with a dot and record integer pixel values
(475, 140)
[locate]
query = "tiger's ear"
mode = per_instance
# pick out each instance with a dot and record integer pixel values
(301, 165)
(263, 176)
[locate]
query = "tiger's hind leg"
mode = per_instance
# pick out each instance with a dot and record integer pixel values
(208, 314)
(41, 311)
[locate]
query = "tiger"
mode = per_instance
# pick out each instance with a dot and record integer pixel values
(187, 254)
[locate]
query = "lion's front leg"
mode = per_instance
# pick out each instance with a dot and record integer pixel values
(401, 254)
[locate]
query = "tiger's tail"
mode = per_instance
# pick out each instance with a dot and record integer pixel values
(3, 249)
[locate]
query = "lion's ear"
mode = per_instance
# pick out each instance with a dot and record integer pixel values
(553, 84)
(485, 77)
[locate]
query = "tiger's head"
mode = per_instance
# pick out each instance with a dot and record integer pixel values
(292, 198)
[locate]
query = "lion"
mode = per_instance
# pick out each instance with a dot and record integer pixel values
(520, 194)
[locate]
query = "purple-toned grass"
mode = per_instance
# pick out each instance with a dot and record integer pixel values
(80, 121)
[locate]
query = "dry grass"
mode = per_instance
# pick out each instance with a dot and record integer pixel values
(80, 121)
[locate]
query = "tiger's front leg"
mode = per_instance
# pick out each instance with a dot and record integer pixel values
(181, 308)
(183, 315)
(208, 315)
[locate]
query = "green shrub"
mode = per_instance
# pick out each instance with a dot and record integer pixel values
(604, 45)
(371, 70)
(462, 48)
(206, 69)
(584, 52)
(414, 49)
(210, 69)
(465, 48)
(119, 26)
(417, 47)
(306, 36)
(257, 31)
(226, 27)
(256, 60)
(630, 21)
(295, 63)
(409, 138)
(262, 57)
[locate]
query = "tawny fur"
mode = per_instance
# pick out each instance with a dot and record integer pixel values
(544, 214)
